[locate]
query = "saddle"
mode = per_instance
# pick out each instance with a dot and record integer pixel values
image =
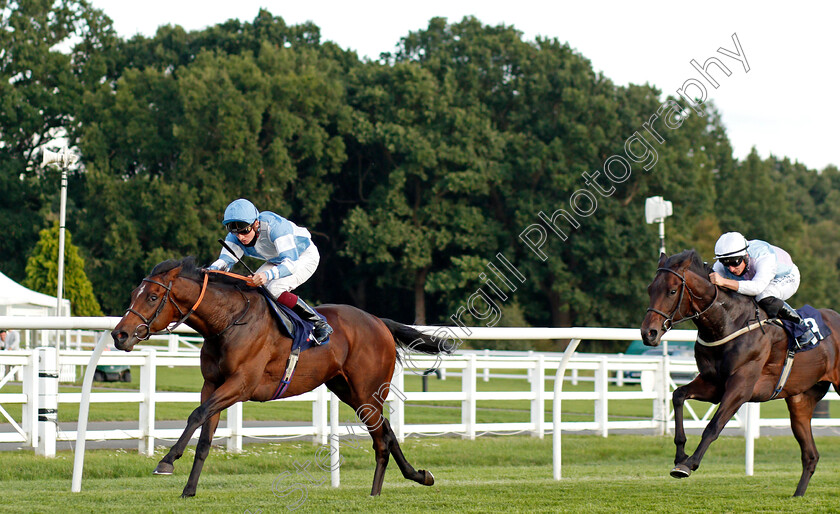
(811, 317)
(291, 324)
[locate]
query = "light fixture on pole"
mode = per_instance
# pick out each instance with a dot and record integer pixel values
(65, 159)
(656, 210)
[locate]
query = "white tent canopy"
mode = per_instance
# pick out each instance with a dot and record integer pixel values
(16, 300)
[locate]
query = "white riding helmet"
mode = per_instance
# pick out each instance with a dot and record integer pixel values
(731, 244)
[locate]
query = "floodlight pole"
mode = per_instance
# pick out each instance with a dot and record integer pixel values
(661, 235)
(61, 220)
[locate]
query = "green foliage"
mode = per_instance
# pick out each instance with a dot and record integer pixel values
(412, 171)
(42, 272)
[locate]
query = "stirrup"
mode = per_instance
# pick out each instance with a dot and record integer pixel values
(806, 338)
(321, 332)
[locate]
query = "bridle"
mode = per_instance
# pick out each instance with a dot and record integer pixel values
(147, 323)
(669, 318)
(168, 297)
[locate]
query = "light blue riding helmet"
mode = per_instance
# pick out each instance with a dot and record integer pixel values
(241, 210)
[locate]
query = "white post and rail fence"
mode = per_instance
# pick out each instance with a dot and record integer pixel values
(40, 398)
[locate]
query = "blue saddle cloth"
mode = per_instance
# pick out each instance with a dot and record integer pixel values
(296, 328)
(811, 317)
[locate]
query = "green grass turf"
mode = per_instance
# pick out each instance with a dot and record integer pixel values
(491, 474)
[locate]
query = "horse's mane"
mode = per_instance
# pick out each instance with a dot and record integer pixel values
(191, 271)
(695, 264)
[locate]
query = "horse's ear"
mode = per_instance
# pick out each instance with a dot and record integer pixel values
(662, 259)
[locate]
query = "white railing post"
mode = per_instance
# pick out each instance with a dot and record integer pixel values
(29, 413)
(530, 370)
(661, 408)
(468, 404)
(556, 408)
(538, 403)
(319, 414)
(235, 415)
(601, 388)
(173, 343)
(47, 401)
(397, 415)
(486, 377)
(619, 375)
(335, 455)
(751, 414)
(148, 386)
(574, 377)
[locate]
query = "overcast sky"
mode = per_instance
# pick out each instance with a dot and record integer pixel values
(785, 105)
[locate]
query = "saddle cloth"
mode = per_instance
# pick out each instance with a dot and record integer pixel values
(811, 317)
(299, 330)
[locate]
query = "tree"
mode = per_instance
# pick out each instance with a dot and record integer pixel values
(424, 162)
(42, 272)
(39, 87)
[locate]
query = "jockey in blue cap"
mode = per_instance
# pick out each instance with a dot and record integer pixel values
(291, 256)
(757, 268)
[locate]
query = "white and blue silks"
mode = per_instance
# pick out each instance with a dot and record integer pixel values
(291, 257)
(770, 272)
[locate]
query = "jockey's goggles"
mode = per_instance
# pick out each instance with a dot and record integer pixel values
(239, 227)
(731, 262)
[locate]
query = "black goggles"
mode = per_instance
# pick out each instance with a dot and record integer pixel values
(732, 261)
(238, 227)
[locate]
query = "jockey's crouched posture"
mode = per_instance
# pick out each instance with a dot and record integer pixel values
(291, 256)
(757, 268)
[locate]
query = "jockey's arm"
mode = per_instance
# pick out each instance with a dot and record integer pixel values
(226, 259)
(765, 270)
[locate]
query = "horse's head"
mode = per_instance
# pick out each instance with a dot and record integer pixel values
(673, 293)
(152, 306)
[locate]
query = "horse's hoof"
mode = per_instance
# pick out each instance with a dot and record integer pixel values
(164, 468)
(680, 471)
(428, 479)
(187, 495)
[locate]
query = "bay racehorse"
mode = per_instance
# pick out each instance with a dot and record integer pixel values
(244, 356)
(744, 369)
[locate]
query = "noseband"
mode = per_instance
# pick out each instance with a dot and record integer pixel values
(147, 323)
(669, 318)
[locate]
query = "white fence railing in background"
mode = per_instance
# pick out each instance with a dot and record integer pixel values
(37, 369)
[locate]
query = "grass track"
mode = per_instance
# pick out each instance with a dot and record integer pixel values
(491, 474)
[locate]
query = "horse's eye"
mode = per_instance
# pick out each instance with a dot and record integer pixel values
(672, 292)
(153, 297)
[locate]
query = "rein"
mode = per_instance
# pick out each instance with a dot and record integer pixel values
(669, 318)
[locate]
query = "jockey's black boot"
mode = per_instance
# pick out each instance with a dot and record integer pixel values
(787, 312)
(321, 329)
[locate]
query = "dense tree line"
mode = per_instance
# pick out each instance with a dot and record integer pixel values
(421, 175)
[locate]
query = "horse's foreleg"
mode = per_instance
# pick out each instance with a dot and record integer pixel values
(697, 389)
(198, 417)
(234, 389)
(422, 476)
(738, 390)
(201, 452)
(801, 408)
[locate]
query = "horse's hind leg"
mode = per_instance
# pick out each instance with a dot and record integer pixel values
(422, 476)
(801, 409)
(370, 412)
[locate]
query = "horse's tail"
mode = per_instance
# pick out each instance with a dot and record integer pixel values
(414, 340)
